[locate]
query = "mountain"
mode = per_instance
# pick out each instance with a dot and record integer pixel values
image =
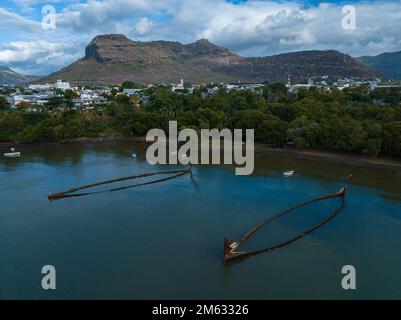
(10, 77)
(388, 64)
(114, 59)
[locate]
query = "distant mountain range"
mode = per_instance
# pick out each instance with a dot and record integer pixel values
(10, 77)
(387, 63)
(115, 58)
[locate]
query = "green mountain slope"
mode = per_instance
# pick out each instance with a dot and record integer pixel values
(388, 64)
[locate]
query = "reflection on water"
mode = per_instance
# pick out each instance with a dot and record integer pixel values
(166, 240)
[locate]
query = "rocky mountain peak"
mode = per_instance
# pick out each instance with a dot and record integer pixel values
(100, 46)
(112, 37)
(205, 47)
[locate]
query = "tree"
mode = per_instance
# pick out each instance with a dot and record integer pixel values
(283, 111)
(392, 138)
(107, 96)
(130, 85)
(268, 128)
(55, 102)
(7, 91)
(69, 95)
(372, 146)
(122, 99)
(4, 104)
(275, 91)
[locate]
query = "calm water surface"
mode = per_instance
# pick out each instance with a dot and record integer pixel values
(166, 241)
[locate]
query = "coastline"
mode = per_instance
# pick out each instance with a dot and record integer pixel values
(68, 141)
(353, 159)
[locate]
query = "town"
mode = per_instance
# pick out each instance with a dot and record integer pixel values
(63, 95)
(353, 115)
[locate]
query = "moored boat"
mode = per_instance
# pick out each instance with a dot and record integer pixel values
(12, 153)
(289, 173)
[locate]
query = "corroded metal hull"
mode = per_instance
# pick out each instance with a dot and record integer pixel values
(231, 247)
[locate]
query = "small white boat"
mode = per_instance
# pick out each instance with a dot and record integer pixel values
(289, 173)
(12, 153)
(133, 155)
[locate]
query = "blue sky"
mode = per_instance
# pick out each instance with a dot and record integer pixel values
(252, 28)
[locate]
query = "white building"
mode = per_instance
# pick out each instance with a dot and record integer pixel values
(131, 92)
(41, 87)
(43, 99)
(89, 97)
(230, 87)
(179, 86)
(39, 99)
(18, 98)
(62, 85)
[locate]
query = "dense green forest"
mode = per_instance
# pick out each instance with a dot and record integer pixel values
(355, 119)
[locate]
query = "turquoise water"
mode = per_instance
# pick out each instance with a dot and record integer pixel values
(166, 241)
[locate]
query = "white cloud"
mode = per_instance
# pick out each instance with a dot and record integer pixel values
(30, 6)
(36, 57)
(143, 27)
(250, 28)
(10, 20)
(260, 28)
(107, 15)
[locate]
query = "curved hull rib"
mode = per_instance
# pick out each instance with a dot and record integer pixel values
(231, 247)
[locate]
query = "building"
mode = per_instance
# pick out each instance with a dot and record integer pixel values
(41, 87)
(89, 97)
(18, 98)
(180, 86)
(76, 102)
(36, 99)
(42, 99)
(296, 87)
(23, 105)
(62, 85)
(131, 92)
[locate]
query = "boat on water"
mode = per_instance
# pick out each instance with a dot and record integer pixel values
(133, 155)
(12, 153)
(289, 173)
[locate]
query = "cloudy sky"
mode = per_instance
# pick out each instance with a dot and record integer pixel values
(250, 27)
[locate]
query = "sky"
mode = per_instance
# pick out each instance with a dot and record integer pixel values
(249, 27)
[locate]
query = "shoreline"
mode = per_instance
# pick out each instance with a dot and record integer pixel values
(68, 141)
(328, 156)
(339, 157)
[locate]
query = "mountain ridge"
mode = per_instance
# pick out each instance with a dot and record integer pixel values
(114, 58)
(388, 63)
(10, 77)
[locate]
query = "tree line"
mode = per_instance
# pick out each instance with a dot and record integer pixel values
(354, 119)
